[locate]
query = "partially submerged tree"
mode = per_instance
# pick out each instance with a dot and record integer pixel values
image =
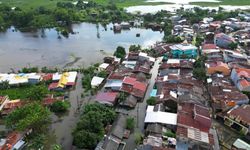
(120, 52)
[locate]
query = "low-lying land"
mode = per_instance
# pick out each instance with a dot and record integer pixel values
(223, 2)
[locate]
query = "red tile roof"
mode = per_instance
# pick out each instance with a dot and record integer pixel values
(243, 72)
(116, 76)
(241, 113)
(109, 97)
(186, 117)
(47, 77)
(209, 46)
(140, 86)
(129, 80)
(53, 85)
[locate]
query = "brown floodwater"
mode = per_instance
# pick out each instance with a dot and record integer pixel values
(44, 48)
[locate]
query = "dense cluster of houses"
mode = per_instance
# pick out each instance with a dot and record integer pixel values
(125, 85)
(181, 108)
(192, 104)
(126, 82)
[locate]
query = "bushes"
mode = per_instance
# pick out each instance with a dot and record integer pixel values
(151, 101)
(60, 106)
(130, 123)
(169, 133)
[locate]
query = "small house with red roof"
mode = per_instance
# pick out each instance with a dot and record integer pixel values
(241, 78)
(139, 89)
(136, 88)
(107, 98)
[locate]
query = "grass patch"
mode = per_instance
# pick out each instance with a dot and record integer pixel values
(223, 2)
(27, 4)
(24, 92)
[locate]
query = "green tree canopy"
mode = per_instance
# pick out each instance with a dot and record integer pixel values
(151, 101)
(120, 52)
(31, 116)
(134, 48)
(233, 45)
(37, 93)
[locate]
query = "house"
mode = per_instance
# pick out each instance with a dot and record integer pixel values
(217, 67)
(226, 97)
(238, 119)
(64, 80)
(234, 56)
(193, 125)
(96, 81)
(103, 66)
(240, 77)
(107, 98)
(114, 81)
(160, 117)
(14, 141)
(114, 140)
(127, 84)
(11, 105)
(136, 88)
(33, 78)
(139, 89)
(209, 48)
(223, 40)
(240, 145)
(184, 51)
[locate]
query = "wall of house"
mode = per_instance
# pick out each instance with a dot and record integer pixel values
(192, 53)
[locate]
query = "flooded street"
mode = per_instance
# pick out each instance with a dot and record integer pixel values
(19, 49)
(62, 127)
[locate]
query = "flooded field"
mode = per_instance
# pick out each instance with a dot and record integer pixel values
(177, 4)
(44, 48)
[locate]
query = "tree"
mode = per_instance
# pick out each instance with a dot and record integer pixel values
(60, 107)
(120, 52)
(134, 48)
(107, 114)
(37, 93)
(151, 101)
(138, 138)
(85, 139)
(102, 74)
(233, 46)
(32, 116)
(200, 73)
(89, 131)
(130, 123)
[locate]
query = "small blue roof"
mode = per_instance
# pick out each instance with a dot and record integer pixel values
(153, 93)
